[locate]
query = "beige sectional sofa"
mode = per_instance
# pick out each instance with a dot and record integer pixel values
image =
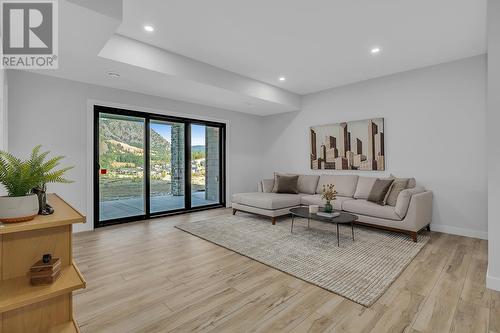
(412, 212)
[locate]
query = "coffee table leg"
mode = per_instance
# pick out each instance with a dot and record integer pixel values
(308, 222)
(352, 229)
(291, 229)
(338, 237)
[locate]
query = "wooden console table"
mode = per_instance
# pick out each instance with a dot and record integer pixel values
(49, 308)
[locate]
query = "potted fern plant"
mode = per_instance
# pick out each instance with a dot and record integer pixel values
(20, 178)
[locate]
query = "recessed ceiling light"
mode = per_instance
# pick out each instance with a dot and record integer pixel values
(113, 74)
(282, 78)
(375, 50)
(149, 28)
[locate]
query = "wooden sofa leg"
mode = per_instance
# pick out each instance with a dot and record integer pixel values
(234, 211)
(273, 219)
(414, 236)
(428, 227)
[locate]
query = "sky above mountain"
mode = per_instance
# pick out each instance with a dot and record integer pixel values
(197, 133)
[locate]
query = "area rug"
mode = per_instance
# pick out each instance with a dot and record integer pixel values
(360, 271)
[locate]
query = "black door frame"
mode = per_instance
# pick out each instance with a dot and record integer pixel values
(187, 164)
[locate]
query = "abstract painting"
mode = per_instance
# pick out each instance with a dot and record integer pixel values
(353, 145)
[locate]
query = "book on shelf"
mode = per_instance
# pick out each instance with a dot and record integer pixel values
(45, 272)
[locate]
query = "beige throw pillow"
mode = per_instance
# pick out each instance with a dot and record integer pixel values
(397, 186)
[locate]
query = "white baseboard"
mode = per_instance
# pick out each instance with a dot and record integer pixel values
(459, 231)
(491, 281)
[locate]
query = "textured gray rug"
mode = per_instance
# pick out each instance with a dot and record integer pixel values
(360, 271)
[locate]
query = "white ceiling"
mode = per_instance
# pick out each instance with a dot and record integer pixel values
(316, 44)
(230, 53)
(87, 36)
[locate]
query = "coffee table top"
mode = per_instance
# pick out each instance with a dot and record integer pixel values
(342, 218)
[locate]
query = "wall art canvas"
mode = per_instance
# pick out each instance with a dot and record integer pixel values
(353, 145)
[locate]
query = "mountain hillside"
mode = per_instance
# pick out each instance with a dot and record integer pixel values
(122, 143)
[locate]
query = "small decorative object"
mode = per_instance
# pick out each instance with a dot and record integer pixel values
(331, 215)
(329, 194)
(313, 209)
(44, 207)
(20, 178)
(45, 271)
(46, 258)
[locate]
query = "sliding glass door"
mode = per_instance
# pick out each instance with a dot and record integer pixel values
(121, 166)
(205, 166)
(166, 166)
(152, 165)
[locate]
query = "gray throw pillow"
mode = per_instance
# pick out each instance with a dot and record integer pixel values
(397, 186)
(286, 184)
(379, 190)
(276, 174)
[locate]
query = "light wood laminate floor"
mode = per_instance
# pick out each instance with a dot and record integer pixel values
(151, 277)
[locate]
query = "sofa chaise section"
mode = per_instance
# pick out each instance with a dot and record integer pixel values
(266, 204)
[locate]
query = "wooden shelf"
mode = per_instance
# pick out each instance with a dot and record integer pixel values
(68, 327)
(18, 292)
(64, 214)
(48, 308)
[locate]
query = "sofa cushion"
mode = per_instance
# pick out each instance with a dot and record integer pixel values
(403, 201)
(287, 184)
(267, 200)
(363, 207)
(364, 187)
(345, 185)
(307, 184)
(315, 199)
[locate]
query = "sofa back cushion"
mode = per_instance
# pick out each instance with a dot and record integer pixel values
(267, 185)
(364, 187)
(345, 185)
(307, 184)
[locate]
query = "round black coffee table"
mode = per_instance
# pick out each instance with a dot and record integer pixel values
(343, 218)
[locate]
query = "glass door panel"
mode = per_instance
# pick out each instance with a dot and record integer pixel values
(205, 165)
(121, 166)
(166, 166)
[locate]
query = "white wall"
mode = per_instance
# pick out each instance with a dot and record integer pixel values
(434, 130)
(53, 112)
(493, 119)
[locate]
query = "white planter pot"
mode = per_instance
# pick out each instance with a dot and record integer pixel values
(18, 209)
